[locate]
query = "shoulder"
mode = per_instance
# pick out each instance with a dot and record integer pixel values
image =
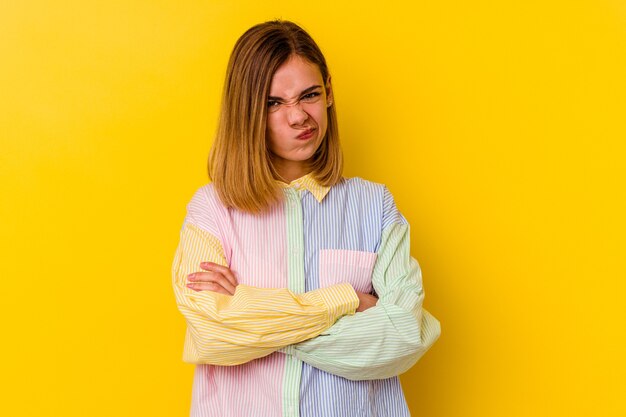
(204, 199)
(375, 195)
(204, 208)
(358, 191)
(362, 184)
(383, 196)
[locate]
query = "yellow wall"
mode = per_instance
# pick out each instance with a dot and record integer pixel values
(499, 127)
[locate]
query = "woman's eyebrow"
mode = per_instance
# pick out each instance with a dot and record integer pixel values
(308, 90)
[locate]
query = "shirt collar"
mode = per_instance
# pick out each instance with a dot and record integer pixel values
(310, 184)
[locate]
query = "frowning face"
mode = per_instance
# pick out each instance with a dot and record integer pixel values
(297, 116)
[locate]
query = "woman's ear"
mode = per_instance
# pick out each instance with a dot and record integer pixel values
(329, 93)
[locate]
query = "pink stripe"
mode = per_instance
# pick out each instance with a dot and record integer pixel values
(255, 248)
(354, 267)
(233, 391)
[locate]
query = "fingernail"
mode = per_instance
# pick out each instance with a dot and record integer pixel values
(191, 276)
(190, 286)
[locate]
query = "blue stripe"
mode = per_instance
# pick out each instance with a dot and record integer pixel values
(351, 217)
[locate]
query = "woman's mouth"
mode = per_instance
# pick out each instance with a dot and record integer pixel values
(306, 134)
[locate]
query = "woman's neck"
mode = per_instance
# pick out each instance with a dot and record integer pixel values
(291, 170)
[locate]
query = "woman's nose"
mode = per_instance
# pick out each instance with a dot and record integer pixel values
(297, 115)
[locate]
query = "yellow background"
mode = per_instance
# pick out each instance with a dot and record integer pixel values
(498, 126)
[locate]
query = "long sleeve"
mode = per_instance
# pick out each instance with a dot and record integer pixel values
(230, 330)
(389, 338)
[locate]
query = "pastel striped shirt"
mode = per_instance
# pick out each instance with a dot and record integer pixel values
(289, 343)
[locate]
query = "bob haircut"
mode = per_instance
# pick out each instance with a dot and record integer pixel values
(240, 164)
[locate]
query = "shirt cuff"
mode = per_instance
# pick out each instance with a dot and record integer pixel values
(340, 299)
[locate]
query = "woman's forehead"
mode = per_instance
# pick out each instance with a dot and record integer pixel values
(295, 76)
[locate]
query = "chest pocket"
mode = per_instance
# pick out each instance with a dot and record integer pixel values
(354, 267)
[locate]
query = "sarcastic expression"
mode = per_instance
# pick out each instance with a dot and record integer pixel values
(296, 115)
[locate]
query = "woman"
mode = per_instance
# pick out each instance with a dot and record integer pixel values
(297, 285)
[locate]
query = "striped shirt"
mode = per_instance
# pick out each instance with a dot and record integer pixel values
(288, 342)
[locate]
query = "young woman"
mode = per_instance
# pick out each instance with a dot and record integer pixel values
(299, 291)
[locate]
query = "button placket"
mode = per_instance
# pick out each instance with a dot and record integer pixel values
(295, 264)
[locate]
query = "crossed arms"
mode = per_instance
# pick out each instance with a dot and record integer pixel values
(318, 327)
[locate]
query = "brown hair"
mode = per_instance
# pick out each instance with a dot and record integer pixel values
(239, 162)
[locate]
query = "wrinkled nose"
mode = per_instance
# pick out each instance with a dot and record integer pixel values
(296, 114)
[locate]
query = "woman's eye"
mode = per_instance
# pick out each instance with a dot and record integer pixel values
(311, 96)
(272, 103)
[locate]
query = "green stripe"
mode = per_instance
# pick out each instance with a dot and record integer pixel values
(295, 272)
(385, 340)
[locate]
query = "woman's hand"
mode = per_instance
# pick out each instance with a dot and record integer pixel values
(218, 279)
(365, 301)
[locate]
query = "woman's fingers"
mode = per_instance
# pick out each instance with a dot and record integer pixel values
(213, 278)
(218, 279)
(213, 267)
(208, 286)
(366, 301)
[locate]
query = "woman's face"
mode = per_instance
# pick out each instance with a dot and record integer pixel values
(296, 116)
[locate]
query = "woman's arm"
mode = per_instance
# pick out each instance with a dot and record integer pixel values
(230, 330)
(389, 338)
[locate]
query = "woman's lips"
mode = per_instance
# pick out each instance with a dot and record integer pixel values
(306, 134)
